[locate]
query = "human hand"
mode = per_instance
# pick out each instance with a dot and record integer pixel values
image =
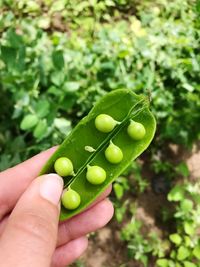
(30, 232)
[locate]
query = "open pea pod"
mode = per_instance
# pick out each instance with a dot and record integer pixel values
(86, 145)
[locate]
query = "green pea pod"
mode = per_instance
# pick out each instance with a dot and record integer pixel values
(85, 145)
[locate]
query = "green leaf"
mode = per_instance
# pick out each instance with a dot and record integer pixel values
(28, 122)
(63, 125)
(173, 254)
(57, 78)
(183, 253)
(162, 263)
(189, 264)
(189, 227)
(14, 39)
(71, 86)
(8, 55)
(187, 241)
(41, 129)
(20, 60)
(196, 252)
(58, 59)
(175, 238)
(182, 169)
(176, 193)
(119, 191)
(42, 108)
(186, 205)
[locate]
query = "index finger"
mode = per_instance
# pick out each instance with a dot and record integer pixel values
(14, 181)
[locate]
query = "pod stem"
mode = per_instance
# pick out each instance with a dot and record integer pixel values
(88, 166)
(111, 142)
(118, 122)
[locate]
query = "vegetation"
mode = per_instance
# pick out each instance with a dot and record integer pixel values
(58, 57)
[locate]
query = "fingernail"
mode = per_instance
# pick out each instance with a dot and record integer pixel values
(51, 188)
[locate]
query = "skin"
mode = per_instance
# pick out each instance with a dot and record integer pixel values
(30, 233)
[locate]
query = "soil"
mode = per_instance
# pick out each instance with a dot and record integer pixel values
(105, 247)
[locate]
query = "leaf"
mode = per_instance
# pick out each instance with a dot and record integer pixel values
(182, 169)
(58, 59)
(57, 77)
(63, 125)
(71, 86)
(14, 58)
(187, 241)
(189, 264)
(188, 87)
(186, 205)
(196, 252)
(119, 191)
(28, 122)
(20, 60)
(8, 55)
(42, 108)
(183, 253)
(189, 227)
(162, 263)
(176, 193)
(41, 129)
(175, 238)
(58, 6)
(14, 39)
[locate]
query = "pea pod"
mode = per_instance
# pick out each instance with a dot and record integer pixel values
(86, 145)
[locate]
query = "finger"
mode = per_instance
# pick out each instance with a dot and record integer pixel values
(18, 178)
(31, 231)
(70, 252)
(3, 224)
(86, 222)
(101, 197)
(67, 229)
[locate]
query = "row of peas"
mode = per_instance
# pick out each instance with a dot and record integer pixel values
(95, 174)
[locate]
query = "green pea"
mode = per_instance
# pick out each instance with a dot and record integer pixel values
(63, 166)
(113, 153)
(95, 175)
(136, 130)
(70, 199)
(105, 123)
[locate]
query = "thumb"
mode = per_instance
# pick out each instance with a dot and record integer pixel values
(31, 233)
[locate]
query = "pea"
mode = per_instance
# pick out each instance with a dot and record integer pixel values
(70, 199)
(136, 130)
(105, 123)
(63, 166)
(113, 153)
(95, 175)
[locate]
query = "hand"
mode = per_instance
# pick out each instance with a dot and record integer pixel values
(30, 232)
